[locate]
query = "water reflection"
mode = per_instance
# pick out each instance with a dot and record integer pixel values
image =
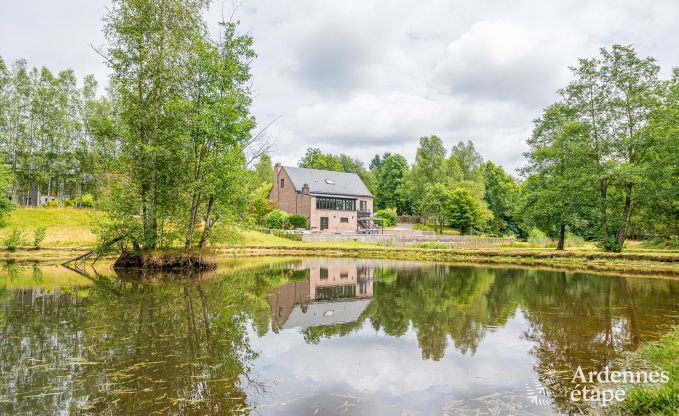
(302, 336)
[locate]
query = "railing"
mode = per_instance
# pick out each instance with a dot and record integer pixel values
(363, 214)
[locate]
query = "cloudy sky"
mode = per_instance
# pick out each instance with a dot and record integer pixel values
(365, 77)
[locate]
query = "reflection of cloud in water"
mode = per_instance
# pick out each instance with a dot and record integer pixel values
(385, 371)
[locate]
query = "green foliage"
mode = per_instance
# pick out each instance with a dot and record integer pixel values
(662, 399)
(52, 203)
(392, 171)
(535, 236)
(501, 195)
(434, 204)
(13, 239)
(259, 204)
(38, 236)
(264, 169)
(184, 121)
(464, 211)
(276, 220)
(297, 221)
(388, 215)
(87, 201)
(6, 206)
(314, 158)
(47, 130)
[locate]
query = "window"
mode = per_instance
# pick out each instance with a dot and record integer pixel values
(344, 275)
(344, 220)
(364, 206)
(282, 183)
(336, 204)
(324, 273)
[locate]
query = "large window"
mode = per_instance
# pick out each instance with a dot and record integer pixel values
(337, 204)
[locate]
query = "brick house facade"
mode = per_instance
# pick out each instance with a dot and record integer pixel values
(332, 201)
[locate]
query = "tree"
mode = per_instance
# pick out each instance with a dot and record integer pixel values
(6, 205)
(314, 158)
(429, 168)
(557, 195)
(616, 96)
(264, 169)
(184, 114)
(463, 211)
(465, 156)
(354, 165)
(659, 196)
(434, 204)
(501, 196)
(392, 172)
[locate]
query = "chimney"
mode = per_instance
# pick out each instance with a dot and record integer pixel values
(305, 189)
(277, 169)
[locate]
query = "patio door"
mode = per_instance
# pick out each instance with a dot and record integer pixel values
(324, 223)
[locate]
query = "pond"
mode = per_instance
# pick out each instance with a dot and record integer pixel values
(273, 336)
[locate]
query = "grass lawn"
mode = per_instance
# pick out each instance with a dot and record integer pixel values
(64, 226)
(430, 227)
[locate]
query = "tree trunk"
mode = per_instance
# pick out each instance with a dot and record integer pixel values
(208, 222)
(195, 201)
(562, 237)
(603, 194)
(626, 212)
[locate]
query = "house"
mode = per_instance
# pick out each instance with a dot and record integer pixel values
(334, 292)
(332, 201)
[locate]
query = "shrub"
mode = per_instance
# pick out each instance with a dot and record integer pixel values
(87, 201)
(38, 236)
(69, 202)
(611, 244)
(276, 219)
(297, 221)
(52, 203)
(388, 215)
(536, 236)
(13, 239)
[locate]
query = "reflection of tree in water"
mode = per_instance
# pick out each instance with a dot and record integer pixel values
(577, 320)
(439, 302)
(122, 347)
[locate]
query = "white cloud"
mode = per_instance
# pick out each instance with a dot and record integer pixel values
(368, 77)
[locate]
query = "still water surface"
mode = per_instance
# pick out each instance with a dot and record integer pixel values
(316, 336)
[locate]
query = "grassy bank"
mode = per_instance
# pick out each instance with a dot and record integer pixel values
(657, 399)
(63, 226)
(69, 234)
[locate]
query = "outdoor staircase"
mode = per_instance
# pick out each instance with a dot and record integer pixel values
(366, 225)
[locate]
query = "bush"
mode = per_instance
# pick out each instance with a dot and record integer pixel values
(388, 215)
(536, 236)
(611, 244)
(52, 203)
(38, 236)
(297, 221)
(87, 201)
(69, 202)
(13, 239)
(276, 219)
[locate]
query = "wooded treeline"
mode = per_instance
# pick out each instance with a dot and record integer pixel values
(55, 133)
(603, 164)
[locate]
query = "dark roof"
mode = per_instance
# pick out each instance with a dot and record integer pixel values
(327, 182)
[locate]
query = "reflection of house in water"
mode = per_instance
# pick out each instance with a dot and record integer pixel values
(334, 291)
